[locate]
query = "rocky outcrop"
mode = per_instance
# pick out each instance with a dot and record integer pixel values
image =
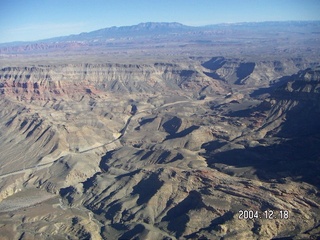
(252, 72)
(284, 143)
(169, 202)
(295, 106)
(60, 81)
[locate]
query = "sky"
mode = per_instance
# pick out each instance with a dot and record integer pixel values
(29, 20)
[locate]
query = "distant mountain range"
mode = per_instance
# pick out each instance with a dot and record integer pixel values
(164, 32)
(150, 28)
(142, 29)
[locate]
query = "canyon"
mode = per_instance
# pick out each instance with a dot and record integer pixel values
(136, 141)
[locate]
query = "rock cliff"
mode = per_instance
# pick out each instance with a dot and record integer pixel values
(72, 81)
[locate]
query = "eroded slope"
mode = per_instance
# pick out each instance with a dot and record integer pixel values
(160, 151)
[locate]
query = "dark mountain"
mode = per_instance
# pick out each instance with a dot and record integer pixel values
(142, 29)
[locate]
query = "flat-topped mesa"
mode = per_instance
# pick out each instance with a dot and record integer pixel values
(30, 83)
(255, 72)
(305, 85)
(74, 80)
(294, 107)
(310, 75)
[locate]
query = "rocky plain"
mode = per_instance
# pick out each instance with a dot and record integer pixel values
(162, 131)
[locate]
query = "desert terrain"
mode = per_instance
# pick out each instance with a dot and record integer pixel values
(162, 131)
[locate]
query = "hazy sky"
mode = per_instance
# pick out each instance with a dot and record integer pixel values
(25, 20)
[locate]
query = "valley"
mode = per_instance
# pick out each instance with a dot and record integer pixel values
(161, 144)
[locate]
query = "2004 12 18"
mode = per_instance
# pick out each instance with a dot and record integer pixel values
(267, 214)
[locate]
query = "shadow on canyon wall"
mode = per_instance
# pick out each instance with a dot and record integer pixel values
(295, 158)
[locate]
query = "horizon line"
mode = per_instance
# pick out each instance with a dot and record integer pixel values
(137, 24)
